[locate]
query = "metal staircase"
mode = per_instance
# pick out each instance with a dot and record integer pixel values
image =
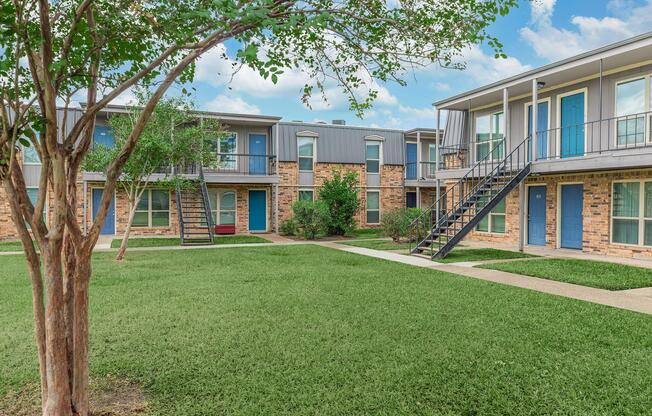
(195, 220)
(438, 231)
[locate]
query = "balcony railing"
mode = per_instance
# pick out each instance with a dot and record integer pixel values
(229, 164)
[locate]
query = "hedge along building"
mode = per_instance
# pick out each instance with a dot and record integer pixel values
(582, 181)
(253, 180)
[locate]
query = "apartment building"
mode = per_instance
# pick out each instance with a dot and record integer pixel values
(573, 171)
(261, 166)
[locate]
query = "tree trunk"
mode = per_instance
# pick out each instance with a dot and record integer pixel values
(125, 237)
(58, 401)
(80, 335)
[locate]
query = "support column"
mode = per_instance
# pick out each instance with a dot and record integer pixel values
(438, 137)
(535, 116)
(521, 216)
(506, 123)
(418, 169)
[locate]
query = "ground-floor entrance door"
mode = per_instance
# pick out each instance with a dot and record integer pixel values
(571, 228)
(257, 211)
(536, 215)
(108, 228)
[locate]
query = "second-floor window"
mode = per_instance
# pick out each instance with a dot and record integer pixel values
(227, 148)
(306, 153)
(153, 209)
(373, 157)
(489, 136)
(632, 102)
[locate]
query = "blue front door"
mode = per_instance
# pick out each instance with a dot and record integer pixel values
(257, 158)
(571, 216)
(572, 125)
(542, 127)
(109, 222)
(410, 161)
(257, 211)
(536, 215)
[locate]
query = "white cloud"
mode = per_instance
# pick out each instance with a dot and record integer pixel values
(485, 69)
(126, 98)
(231, 104)
(423, 113)
(554, 43)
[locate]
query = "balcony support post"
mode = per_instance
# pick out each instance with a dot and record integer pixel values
(437, 156)
(535, 115)
(276, 163)
(600, 109)
(506, 149)
(418, 168)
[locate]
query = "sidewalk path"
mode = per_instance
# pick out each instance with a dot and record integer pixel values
(637, 300)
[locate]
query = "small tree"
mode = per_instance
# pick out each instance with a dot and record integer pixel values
(340, 195)
(172, 137)
(395, 224)
(311, 217)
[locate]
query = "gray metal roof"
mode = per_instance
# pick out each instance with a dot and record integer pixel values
(543, 68)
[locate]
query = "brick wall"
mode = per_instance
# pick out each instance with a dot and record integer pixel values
(391, 186)
(596, 220)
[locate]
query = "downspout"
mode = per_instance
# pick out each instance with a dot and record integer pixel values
(277, 162)
(600, 107)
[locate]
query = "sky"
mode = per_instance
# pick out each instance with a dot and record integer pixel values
(534, 34)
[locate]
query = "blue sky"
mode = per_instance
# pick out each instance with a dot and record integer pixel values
(535, 33)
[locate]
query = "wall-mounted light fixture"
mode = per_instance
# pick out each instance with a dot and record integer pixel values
(540, 84)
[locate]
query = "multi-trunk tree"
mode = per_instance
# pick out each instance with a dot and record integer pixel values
(52, 52)
(173, 140)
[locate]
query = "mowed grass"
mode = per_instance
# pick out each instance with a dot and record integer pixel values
(362, 233)
(458, 255)
(309, 330)
(11, 246)
(170, 241)
(597, 274)
(378, 244)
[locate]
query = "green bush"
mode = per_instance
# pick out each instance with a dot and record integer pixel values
(289, 227)
(395, 224)
(311, 217)
(340, 195)
(424, 225)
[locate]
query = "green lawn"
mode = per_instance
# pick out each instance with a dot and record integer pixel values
(378, 244)
(165, 241)
(362, 233)
(11, 246)
(598, 274)
(309, 330)
(480, 254)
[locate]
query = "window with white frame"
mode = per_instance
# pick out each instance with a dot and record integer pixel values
(489, 136)
(432, 159)
(227, 149)
(632, 102)
(372, 152)
(223, 206)
(373, 207)
(153, 209)
(306, 195)
(30, 155)
(631, 209)
(306, 152)
(32, 194)
(494, 222)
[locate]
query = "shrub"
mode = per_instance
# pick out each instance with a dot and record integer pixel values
(340, 195)
(289, 227)
(311, 217)
(424, 225)
(395, 224)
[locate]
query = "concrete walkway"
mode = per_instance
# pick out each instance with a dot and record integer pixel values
(637, 300)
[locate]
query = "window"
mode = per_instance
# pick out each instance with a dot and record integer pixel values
(32, 193)
(494, 222)
(227, 149)
(30, 156)
(306, 195)
(632, 213)
(306, 153)
(373, 157)
(489, 136)
(373, 207)
(631, 103)
(153, 209)
(432, 158)
(410, 199)
(223, 206)
(103, 136)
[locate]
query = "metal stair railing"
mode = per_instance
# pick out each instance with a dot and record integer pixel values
(464, 196)
(207, 203)
(180, 211)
